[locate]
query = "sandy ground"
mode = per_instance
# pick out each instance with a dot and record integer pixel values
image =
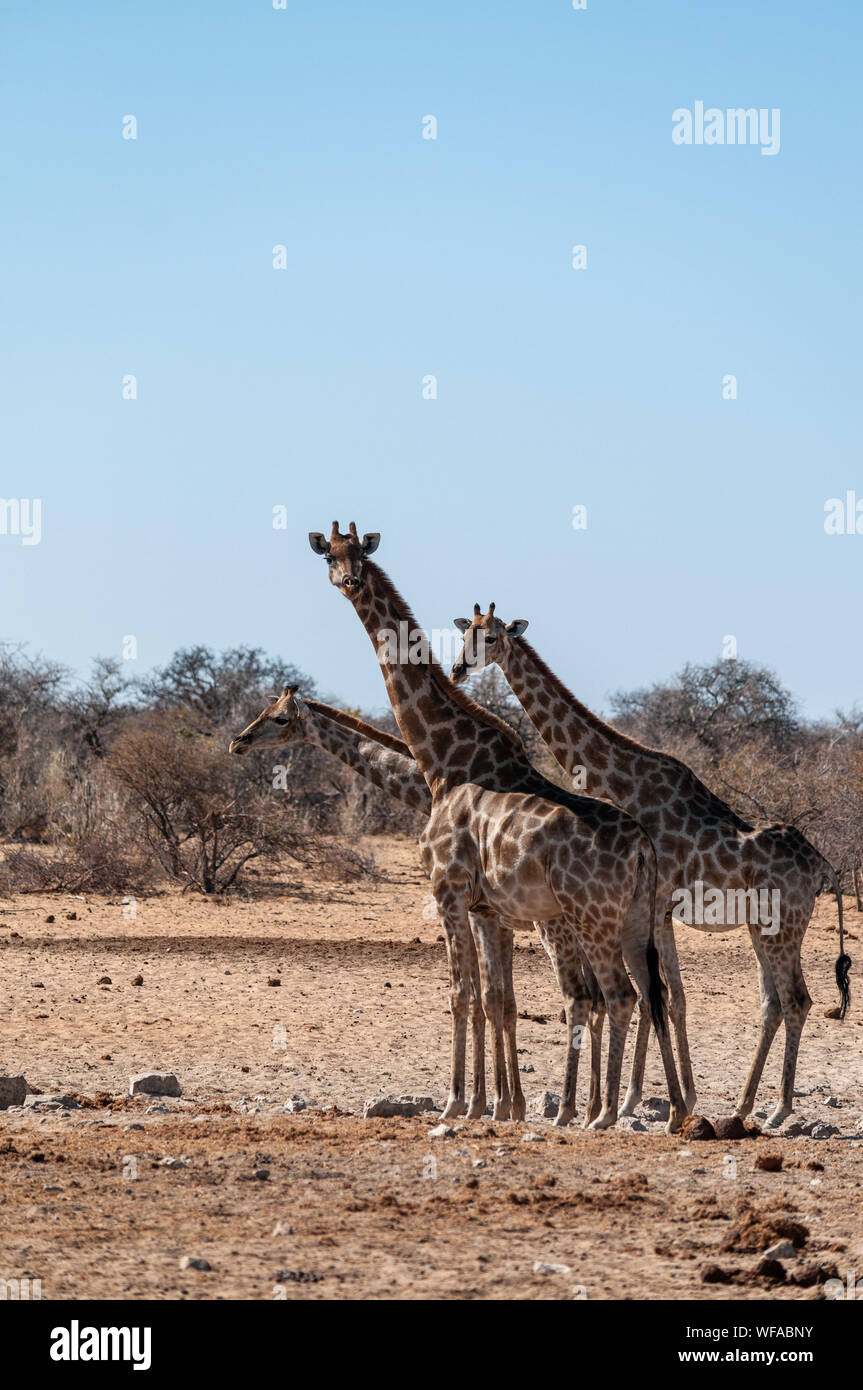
(374, 1208)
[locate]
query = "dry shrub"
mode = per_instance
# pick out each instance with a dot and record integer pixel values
(99, 864)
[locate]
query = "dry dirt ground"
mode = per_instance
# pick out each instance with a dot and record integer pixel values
(343, 1207)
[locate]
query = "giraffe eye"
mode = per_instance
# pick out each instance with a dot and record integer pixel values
(279, 719)
(491, 639)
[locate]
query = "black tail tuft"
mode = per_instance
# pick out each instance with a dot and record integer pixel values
(656, 994)
(843, 966)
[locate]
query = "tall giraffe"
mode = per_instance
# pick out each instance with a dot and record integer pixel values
(386, 761)
(501, 838)
(698, 839)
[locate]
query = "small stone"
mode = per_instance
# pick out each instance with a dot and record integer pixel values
(138, 980)
(479, 1163)
(50, 917)
(793, 1128)
(528, 1067)
(262, 1174)
(782, 1250)
(71, 916)
(834, 1102)
(174, 1162)
(157, 1110)
(105, 980)
(771, 1270)
(548, 1105)
(730, 1127)
(13, 1091)
(632, 1123)
(274, 982)
(715, 1274)
(53, 1101)
(384, 1107)
(823, 1131)
(659, 1106)
(532, 1139)
(769, 1163)
(295, 1105)
(283, 1228)
(194, 1262)
(547, 1267)
(154, 1083)
(441, 1131)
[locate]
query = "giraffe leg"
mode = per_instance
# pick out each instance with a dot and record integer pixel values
(771, 1016)
(619, 1002)
(566, 960)
(460, 953)
(796, 1003)
(510, 1018)
(490, 946)
(595, 1022)
(476, 1103)
(637, 963)
(639, 1058)
(669, 964)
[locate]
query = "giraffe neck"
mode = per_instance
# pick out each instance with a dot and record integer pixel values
(574, 734)
(617, 768)
(452, 740)
(369, 752)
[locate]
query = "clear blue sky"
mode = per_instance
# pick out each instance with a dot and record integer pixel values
(406, 256)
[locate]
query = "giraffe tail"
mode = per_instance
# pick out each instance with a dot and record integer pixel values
(843, 961)
(656, 989)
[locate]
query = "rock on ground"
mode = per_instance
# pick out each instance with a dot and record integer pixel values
(13, 1090)
(154, 1083)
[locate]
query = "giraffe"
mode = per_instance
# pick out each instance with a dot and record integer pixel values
(386, 761)
(502, 838)
(698, 839)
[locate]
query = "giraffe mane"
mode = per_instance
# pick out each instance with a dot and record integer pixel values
(453, 692)
(350, 721)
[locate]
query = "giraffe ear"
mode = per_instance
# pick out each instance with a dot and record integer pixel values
(371, 541)
(320, 545)
(517, 627)
(461, 623)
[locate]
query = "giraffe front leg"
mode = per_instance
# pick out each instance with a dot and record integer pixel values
(595, 1023)
(518, 1105)
(460, 954)
(476, 1104)
(670, 966)
(488, 938)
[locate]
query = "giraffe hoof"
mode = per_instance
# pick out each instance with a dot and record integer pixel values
(453, 1110)
(501, 1111)
(675, 1121)
(603, 1121)
(563, 1117)
(777, 1118)
(476, 1110)
(630, 1105)
(518, 1110)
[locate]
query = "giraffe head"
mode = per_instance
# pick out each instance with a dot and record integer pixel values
(280, 722)
(345, 556)
(485, 641)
